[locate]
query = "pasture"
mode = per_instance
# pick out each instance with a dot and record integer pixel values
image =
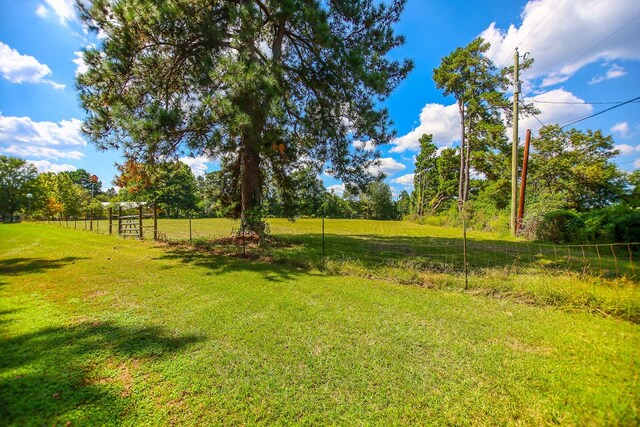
(100, 330)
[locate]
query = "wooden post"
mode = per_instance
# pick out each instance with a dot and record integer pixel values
(140, 221)
(523, 183)
(119, 220)
(155, 222)
(110, 220)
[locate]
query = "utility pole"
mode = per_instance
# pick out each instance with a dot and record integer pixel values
(514, 150)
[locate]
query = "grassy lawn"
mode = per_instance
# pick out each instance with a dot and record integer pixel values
(99, 330)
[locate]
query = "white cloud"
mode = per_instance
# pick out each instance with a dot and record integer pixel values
(554, 113)
(621, 128)
(405, 180)
(65, 10)
(443, 122)
(636, 164)
(338, 189)
(79, 61)
(366, 146)
(18, 68)
(625, 149)
(46, 166)
(23, 137)
(198, 165)
(386, 165)
(25, 130)
(563, 37)
(613, 72)
(37, 151)
(42, 11)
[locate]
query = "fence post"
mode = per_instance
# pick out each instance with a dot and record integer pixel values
(155, 222)
(190, 232)
(140, 221)
(119, 220)
(323, 237)
(633, 269)
(110, 220)
(464, 246)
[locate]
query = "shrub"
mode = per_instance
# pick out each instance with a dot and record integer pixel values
(561, 226)
(626, 228)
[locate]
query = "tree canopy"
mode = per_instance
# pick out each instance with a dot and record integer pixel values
(17, 178)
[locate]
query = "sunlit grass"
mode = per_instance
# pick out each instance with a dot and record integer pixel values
(98, 330)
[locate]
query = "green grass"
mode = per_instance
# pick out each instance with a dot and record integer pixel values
(97, 330)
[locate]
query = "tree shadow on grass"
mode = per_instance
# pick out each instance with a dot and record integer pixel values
(226, 259)
(83, 373)
(18, 266)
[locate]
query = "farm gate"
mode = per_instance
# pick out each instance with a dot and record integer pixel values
(132, 219)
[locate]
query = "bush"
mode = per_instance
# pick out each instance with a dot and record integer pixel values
(626, 228)
(561, 226)
(613, 224)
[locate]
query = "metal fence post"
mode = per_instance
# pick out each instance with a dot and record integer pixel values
(110, 220)
(190, 232)
(323, 252)
(464, 241)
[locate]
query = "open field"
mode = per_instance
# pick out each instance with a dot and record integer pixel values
(598, 279)
(100, 330)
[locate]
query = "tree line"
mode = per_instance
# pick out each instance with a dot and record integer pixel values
(176, 191)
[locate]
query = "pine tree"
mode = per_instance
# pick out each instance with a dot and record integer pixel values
(267, 84)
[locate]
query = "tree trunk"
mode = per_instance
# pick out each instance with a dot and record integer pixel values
(250, 189)
(461, 182)
(467, 169)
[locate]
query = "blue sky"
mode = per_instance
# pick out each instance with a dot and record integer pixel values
(587, 52)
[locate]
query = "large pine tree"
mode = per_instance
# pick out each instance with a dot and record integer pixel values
(264, 84)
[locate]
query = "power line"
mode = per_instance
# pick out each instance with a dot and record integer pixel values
(544, 18)
(599, 112)
(576, 102)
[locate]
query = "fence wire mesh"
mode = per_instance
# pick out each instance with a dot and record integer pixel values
(380, 244)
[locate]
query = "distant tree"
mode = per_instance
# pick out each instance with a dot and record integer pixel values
(447, 178)
(632, 198)
(169, 184)
(83, 179)
(17, 178)
(309, 191)
(266, 83)
(577, 165)
(425, 181)
(333, 206)
(73, 197)
(378, 197)
(175, 188)
(404, 203)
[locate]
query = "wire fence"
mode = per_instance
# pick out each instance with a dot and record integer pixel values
(379, 244)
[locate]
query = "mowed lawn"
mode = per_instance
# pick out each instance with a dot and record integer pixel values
(96, 330)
